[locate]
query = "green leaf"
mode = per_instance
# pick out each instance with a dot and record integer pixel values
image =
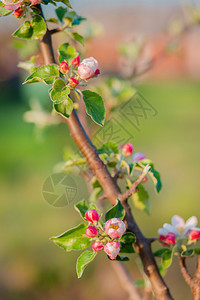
(71, 163)
(108, 148)
(167, 258)
(52, 20)
(155, 175)
(60, 12)
(67, 52)
(128, 238)
(126, 248)
(117, 211)
(79, 38)
(188, 253)
(39, 27)
(25, 31)
(197, 251)
(160, 252)
(3, 11)
(65, 108)
(82, 208)
(94, 106)
(59, 92)
(141, 199)
(66, 2)
(28, 65)
(73, 239)
(119, 258)
(83, 260)
(45, 74)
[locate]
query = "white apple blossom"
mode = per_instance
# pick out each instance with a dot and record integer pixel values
(179, 227)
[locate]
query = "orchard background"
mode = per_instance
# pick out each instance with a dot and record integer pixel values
(31, 266)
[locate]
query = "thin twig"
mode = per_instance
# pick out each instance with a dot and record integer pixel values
(184, 271)
(123, 197)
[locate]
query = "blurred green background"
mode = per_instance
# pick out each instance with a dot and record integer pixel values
(32, 267)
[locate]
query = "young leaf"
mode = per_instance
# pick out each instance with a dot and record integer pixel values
(197, 251)
(60, 12)
(167, 258)
(59, 92)
(160, 252)
(66, 2)
(155, 175)
(126, 242)
(119, 258)
(83, 260)
(64, 108)
(28, 65)
(128, 238)
(73, 239)
(45, 74)
(39, 27)
(126, 248)
(25, 31)
(77, 37)
(94, 106)
(188, 253)
(117, 211)
(108, 148)
(141, 199)
(66, 52)
(81, 207)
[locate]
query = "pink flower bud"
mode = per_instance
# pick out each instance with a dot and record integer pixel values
(97, 72)
(138, 156)
(112, 248)
(35, 2)
(92, 215)
(87, 68)
(18, 12)
(97, 246)
(170, 238)
(194, 235)
(91, 231)
(127, 149)
(76, 61)
(73, 82)
(64, 68)
(115, 228)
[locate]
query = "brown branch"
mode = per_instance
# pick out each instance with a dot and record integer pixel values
(194, 283)
(55, 30)
(184, 271)
(111, 189)
(197, 273)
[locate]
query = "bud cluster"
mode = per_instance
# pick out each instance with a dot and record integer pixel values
(19, 7)
(77, 73)
(105, 238)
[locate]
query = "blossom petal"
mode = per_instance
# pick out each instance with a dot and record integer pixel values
(11, 6)
(162, 231)
(191, 222)
(170, 228)
(177, 221)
